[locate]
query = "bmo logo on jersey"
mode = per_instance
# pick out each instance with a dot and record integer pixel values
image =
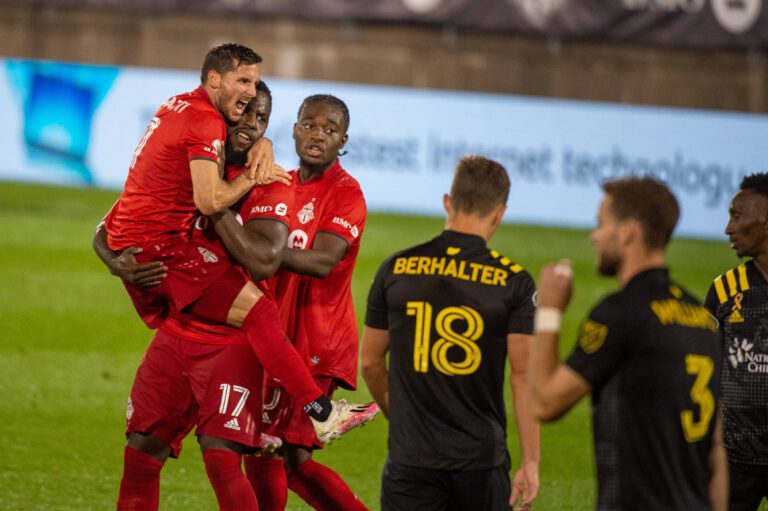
(297, 240)
(352, 228)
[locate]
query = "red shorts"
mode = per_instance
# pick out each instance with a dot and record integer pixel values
(182, 384)
(201, 279)
(285, 418)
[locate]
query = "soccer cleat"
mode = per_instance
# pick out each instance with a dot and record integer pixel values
(344, 417)
(269, 443)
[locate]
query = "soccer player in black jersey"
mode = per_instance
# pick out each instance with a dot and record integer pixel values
(739, 301)
(450, 312)
(650, 356)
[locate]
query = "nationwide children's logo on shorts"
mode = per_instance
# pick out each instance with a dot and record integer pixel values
(307, 212)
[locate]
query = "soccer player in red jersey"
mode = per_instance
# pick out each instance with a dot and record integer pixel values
(174, 174)
(197, 372)
(313, 293)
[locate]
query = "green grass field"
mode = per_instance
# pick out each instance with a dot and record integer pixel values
(71, 343)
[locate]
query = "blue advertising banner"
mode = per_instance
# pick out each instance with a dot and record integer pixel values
(79, 125)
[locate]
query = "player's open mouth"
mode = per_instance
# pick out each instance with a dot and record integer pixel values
(243, 136)
(314, 150)
(240, 105)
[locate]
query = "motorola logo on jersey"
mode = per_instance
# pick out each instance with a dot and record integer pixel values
(281, 209)
(297, 240)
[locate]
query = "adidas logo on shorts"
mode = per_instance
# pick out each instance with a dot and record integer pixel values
(232, 424)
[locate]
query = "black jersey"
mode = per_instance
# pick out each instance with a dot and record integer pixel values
(448, 305)
(739, 301)
(651, 355)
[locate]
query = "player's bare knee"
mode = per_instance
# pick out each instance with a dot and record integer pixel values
(295, 456)
(244, 302)
(149, 445)
(211, 442)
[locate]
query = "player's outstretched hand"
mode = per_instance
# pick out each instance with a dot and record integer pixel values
(525, 487)
(280, 175)
(260, 163)
(555, 285)
(144, 276)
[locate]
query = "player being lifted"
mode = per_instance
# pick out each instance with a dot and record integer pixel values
(451, 312)
(173, 175)
(314, 296)
(739, 301)
(648, 354)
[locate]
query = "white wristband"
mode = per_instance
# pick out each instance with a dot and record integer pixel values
(547, 320)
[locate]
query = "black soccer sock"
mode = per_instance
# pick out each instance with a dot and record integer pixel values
(320, 408)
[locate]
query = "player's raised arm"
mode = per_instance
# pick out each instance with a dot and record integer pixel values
(210, 192)
(318, 261)
(553, 386)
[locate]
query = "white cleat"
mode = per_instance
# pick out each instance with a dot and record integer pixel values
(344, 417)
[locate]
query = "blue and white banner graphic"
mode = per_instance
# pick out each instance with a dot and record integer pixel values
(79, 125)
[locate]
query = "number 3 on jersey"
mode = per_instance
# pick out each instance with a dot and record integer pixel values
(438, 352)
(702, 367)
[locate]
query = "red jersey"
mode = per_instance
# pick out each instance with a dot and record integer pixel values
(273, 201)
(157, 202)
(318, 314)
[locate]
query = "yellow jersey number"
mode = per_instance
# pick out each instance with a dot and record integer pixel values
(702, 367)
(443, 324)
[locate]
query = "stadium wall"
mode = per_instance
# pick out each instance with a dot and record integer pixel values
(79, 124)
(401, 55)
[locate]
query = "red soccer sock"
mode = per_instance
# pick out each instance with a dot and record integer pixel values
(233, 492)
(267, 477)
(140, 486)
(322, 488)
(277, 354)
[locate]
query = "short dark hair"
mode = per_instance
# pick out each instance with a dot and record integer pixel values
(262, 87)
(331, 100)
(648, 201)
(757, 182)
(479, 185)
(227, 57)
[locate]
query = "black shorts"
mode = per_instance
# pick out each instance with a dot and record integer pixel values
(747, 488)
(405, 488)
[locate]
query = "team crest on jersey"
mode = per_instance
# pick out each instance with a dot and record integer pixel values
(592, 336)
(208, 256)
(307, 212)
(297, 240)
